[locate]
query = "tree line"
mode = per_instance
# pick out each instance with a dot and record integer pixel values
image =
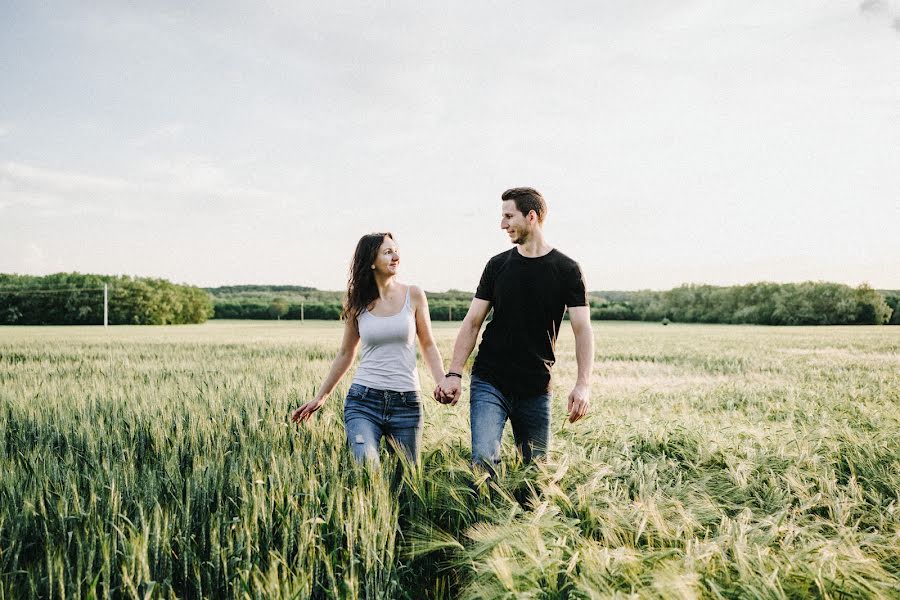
(294, 302)
(808, 303)
(77, 299)
(280, 308)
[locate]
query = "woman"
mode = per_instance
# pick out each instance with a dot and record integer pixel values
(386, 316)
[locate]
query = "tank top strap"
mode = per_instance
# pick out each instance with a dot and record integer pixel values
(406, 305)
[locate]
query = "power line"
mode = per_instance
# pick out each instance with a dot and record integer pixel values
(119, 291)
(49, 291)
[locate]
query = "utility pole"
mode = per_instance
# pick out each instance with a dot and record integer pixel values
(105, 305)
(301, 312)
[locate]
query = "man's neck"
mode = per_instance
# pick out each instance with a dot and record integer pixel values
(534, 246)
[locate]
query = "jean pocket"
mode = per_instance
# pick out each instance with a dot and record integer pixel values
(355, 393)
(412, 400)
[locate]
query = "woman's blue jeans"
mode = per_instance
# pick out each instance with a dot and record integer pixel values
(489, 409)
(371, 414)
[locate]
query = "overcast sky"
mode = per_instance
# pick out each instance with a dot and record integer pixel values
(675, 141)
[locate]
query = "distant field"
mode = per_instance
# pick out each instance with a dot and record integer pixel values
(717, 461)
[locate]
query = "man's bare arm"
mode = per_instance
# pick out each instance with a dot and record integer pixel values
(468, 333)
(580, 397)
(462, 348)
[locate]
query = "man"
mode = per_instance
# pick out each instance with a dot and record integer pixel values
(529, 287)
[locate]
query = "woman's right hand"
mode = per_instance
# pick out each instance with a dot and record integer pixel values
(306, 411)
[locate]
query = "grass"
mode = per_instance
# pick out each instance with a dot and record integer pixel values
(716, 462)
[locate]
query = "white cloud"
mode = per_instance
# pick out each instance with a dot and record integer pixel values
(58, 180)
(49, 193)
(165, 133)
(188, 185)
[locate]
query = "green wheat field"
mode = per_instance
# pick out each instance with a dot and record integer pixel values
(716, 462)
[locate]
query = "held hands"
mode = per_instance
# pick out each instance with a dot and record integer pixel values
(448, 390)
(579, 402)
(306, 411)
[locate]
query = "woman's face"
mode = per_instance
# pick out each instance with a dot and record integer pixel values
(387, 261)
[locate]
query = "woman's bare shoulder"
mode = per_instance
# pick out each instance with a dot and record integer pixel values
(416, 294)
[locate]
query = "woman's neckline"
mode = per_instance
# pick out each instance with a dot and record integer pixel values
(399, 312)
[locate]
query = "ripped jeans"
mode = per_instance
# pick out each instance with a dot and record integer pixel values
(371, 414)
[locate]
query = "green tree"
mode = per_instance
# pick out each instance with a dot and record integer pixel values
(893, 301)
(77, 299)
(278, 307)
(871, 307)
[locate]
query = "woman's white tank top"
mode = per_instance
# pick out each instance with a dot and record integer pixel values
(387, 358)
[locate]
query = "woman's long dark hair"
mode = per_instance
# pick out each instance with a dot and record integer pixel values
(361, 287)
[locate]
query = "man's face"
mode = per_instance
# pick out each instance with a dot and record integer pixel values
(516, 225)
(387, 261)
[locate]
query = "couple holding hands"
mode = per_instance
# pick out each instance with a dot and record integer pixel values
(529, 287)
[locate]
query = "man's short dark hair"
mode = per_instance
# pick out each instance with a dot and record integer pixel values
(527, 200)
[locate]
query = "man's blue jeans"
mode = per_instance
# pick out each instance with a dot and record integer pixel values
(489, 409)
(371, 414)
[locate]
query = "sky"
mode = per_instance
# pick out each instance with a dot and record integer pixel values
(220, 143)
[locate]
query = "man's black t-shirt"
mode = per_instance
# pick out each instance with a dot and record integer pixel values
(529, 297)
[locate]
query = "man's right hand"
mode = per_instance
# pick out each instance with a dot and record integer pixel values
(449, 390)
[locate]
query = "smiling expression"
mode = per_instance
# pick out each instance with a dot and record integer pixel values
(516, 225)
(387, 260)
